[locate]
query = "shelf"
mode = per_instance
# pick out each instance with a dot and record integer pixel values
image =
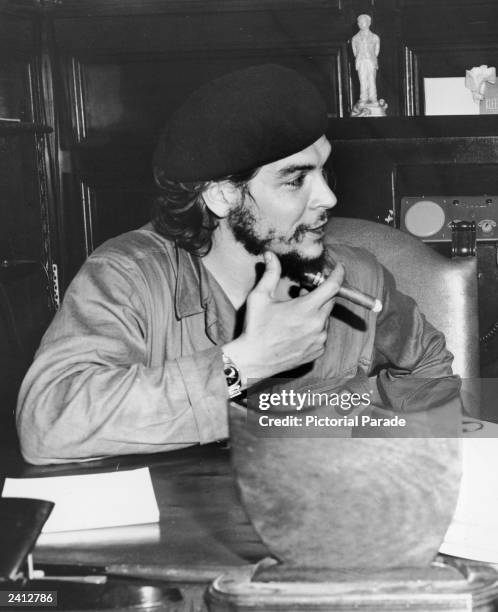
(462, 126)
(15, 127)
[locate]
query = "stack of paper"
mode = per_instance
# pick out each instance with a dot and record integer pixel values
(91, 501)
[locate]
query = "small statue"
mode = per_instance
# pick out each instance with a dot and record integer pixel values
(366, 47)
(476, 80)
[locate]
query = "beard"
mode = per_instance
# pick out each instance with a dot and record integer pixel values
(242, 222)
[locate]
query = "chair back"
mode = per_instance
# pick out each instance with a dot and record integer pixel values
(444, 288)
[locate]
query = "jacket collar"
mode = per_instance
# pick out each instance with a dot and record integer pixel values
(192, 291)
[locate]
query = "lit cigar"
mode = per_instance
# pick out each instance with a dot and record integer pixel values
(312, 280)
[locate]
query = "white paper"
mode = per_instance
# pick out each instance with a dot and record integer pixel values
(90, 501)
(149, 533)
(473, 532)
(449, 96)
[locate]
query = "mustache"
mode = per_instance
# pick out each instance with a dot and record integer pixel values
(304, 227)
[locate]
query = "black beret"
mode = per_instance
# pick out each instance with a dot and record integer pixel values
(238, 122)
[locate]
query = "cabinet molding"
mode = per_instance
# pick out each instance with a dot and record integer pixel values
(95, 8)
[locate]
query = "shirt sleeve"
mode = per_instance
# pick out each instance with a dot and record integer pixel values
(412, 363)
(91, 392)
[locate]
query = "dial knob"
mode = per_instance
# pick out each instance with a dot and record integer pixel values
(487, 226)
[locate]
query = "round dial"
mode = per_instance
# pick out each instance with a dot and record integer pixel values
(425, 218)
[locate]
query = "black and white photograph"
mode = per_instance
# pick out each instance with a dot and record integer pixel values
(249, 305)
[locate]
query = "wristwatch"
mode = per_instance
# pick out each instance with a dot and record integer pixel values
(232, 376)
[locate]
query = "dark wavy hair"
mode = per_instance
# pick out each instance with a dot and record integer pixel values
(180, 214)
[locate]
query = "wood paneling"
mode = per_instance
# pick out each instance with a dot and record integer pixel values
(448, 21)
(99, 8)
(135, 96)
(15, 95)
(210, 30)
(16, 33)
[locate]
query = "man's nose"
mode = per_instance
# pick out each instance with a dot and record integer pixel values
(323, 196)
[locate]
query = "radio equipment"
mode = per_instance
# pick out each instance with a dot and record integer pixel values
(430, 218)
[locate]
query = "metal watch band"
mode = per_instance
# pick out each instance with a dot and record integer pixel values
(232, 376)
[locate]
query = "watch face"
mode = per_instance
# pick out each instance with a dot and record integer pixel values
(231, 374)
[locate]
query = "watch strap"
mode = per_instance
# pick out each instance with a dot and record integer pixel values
(232, 377)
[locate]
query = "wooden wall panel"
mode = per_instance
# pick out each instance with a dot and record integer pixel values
(16, 33)
(211, 30)
(136, 96)
(99, 8)
(116, 208)
(15, 95)
(448, 20)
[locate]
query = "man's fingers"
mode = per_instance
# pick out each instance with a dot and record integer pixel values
(328, 289)
(269, 281)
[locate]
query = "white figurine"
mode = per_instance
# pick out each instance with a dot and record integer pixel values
(366, 47)
(476, 80)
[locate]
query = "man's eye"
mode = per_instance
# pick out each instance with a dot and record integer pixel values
(297, 182)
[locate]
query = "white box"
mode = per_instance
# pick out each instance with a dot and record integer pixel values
(449, 96)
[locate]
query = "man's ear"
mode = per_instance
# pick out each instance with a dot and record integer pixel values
(220, 197)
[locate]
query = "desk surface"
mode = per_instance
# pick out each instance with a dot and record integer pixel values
(203, 527)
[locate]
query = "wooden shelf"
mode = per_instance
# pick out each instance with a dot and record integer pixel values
(14, 127)
(462, 126)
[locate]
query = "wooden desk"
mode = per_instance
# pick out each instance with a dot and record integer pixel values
(204, 531)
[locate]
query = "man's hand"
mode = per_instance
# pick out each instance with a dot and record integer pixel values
(281, 335)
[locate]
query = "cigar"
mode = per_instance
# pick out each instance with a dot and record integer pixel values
(312, 280)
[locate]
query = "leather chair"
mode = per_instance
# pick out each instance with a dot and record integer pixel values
(444, 288)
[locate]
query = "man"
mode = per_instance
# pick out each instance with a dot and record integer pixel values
(163, 324)
(366, 47)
